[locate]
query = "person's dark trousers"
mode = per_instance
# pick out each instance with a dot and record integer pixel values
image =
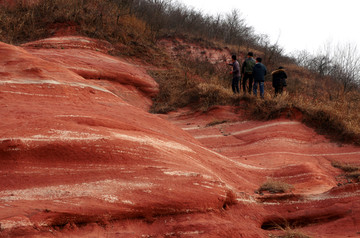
(278, 90)
(251, 81)
(235, 84)
(261, 87)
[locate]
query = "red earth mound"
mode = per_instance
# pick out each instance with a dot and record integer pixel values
(88, 58)
(81, 157)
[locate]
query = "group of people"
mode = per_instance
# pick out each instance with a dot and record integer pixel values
(253, 71)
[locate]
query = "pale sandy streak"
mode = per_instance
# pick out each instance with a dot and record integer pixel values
(34, 94)
(59, 135)
(302, 154)
(233, 161)
(249, 130)
(157, 143)
(72, 84)
(93, 189)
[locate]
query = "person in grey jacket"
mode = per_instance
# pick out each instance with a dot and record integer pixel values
(259, 73)
(236, 74)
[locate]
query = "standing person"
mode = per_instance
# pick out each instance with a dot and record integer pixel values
(236, 74)
(247, 70)
(259, 73)
(279, 80)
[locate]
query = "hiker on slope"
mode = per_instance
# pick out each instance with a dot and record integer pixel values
(259, 73)
(247, 70)
(279, 80)
(236, 74)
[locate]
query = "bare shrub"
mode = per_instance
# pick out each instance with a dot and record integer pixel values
(340, 63)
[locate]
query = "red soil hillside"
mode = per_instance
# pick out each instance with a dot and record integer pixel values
(81, 157)
(180, 48)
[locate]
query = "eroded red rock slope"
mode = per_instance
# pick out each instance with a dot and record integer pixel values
(81, 157)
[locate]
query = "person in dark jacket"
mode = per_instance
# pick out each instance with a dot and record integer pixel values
(246, 71)
(236, 74)
(279, 80)
(259, 73)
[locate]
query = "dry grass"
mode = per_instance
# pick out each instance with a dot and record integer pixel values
(179, 89)
(351, 172)
(275, 186)
(216, 122)
(290, 233)
(345, 167)
(354, 175)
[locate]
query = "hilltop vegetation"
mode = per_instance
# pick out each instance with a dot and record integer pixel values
(324, 87)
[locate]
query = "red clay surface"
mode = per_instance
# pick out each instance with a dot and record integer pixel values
(81, 157)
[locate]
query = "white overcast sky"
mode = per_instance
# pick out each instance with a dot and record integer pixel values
(297, 25)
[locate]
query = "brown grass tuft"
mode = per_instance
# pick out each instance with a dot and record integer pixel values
(288, 231)
(275, 186)
(291, 233)
(181, 89)
(216, 122)
(230, 199)
(345, 167)
(351, 172)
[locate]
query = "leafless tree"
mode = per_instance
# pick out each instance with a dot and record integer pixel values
(272, 52)
(346, 67)
(338, 67)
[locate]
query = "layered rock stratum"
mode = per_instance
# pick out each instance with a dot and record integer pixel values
(81, 157)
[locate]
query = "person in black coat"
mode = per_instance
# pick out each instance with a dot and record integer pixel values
(279, 80)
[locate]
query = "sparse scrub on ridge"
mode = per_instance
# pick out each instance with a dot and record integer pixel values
(107, 20)
(133, 26)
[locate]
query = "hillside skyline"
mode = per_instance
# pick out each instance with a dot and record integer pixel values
(306, 25)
